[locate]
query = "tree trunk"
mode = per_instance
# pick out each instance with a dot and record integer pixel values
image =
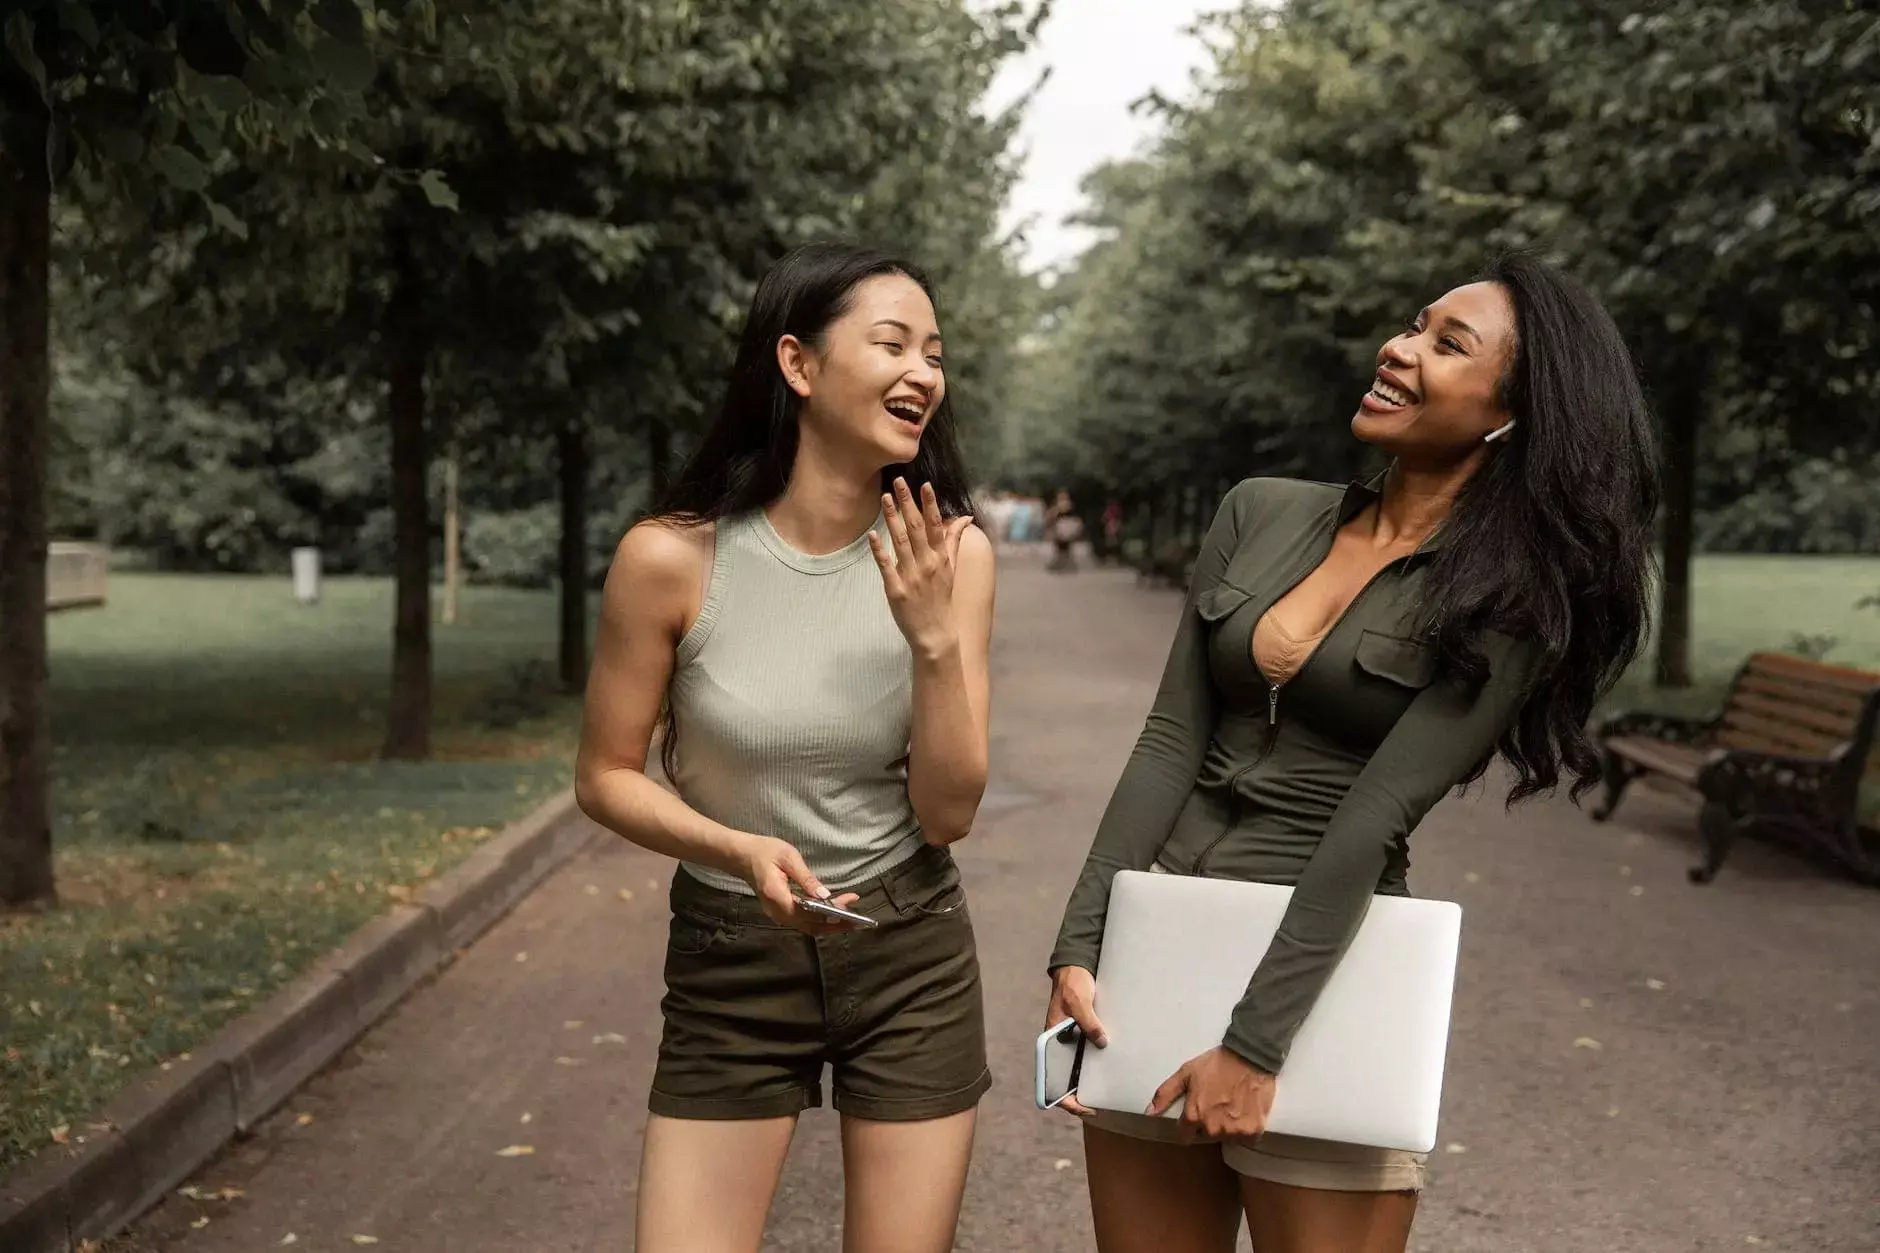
(571, 455)
(408, 721)
(452, 529)
(1682, 415)
(25, 735)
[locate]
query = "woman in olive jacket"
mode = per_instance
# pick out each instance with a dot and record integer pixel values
(1347, 656)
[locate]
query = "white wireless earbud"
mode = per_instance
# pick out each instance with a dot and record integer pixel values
(1498, 432)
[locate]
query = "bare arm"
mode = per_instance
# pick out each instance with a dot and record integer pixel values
(652, 593)
(947, 745)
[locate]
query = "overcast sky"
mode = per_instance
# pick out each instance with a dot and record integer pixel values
(1103, 55)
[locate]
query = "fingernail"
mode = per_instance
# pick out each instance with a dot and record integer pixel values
(823, 894)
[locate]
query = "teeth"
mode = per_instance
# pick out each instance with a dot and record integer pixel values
(1390, 395)
(907, 410)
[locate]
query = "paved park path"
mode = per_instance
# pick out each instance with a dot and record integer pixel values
(1638, 1065)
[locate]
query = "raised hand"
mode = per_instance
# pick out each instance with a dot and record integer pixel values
(918, 574)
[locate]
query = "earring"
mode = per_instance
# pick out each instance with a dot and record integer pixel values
(1498, 432)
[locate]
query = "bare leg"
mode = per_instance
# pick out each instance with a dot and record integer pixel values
(902, 1183)
(706, 1185)
(1284, 1219)
(1151, 1197)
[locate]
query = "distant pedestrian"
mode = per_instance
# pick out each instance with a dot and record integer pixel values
(826, 734)
(1064, 528)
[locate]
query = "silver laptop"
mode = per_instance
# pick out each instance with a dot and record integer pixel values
(1367, 1065)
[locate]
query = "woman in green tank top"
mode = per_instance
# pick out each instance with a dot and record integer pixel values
(808, 612)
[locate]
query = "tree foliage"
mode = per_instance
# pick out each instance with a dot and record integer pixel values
(1712, 168)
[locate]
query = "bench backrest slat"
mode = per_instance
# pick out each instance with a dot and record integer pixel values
(1764, 736)
(1824, 702)
(1797, 707)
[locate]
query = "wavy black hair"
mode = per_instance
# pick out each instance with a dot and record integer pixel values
(744, 461)
(1551, 539)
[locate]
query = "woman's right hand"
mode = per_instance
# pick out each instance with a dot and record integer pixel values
(773, 868)
(1074, 996)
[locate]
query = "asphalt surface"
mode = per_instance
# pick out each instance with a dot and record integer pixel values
(1637, 1064)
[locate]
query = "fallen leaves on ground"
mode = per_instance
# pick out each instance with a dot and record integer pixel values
(200, 1223)
(1062, 1163)
(301, 1120)
(516, 1150)
(626, 894)
(194, 1193)
(610, 1037)
(61, 1133)
(1588, 1042)
(290, 1238)
(1455, 1148)
(1656, 985)
(365, 1239)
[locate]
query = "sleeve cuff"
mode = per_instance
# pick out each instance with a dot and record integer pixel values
(1072, 956)
(1263, 1054)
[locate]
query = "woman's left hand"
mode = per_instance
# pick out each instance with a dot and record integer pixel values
(1228, 1097)
(919, 576)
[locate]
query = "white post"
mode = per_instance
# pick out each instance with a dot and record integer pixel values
(307, 575)
(452, 562)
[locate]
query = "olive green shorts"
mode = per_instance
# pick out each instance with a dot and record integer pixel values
(753, 1010)
(1291, 1160)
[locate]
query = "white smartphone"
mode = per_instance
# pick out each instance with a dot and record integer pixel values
(1062, 1037)
(835, 911)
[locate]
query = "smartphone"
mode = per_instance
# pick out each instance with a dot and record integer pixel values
(1061, 1037)
(835, 911)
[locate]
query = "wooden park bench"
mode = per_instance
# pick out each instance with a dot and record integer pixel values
(1784, 757)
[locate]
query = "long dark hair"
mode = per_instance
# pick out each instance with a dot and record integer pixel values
(744, 461)
(1552, 538)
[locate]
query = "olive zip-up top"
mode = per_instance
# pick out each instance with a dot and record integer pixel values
(1315, 782)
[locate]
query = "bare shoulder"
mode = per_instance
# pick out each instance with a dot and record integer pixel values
(657, 552)
(975, 551)
(659, 573)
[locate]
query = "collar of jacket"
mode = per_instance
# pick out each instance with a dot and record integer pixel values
(1361, 492)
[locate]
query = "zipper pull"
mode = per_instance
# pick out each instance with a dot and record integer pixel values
(1272, 704)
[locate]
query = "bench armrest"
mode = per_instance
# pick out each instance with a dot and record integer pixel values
(1657, 726)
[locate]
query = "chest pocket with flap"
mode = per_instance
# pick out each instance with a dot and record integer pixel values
(1219, 601)
(1407, 662)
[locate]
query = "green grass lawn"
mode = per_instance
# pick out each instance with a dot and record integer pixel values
(221, 820)
(1741, 605)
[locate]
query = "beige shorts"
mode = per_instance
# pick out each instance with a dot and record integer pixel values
(1290, 1160)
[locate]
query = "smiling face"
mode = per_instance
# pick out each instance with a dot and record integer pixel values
(1437, 389)
(874, 378)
